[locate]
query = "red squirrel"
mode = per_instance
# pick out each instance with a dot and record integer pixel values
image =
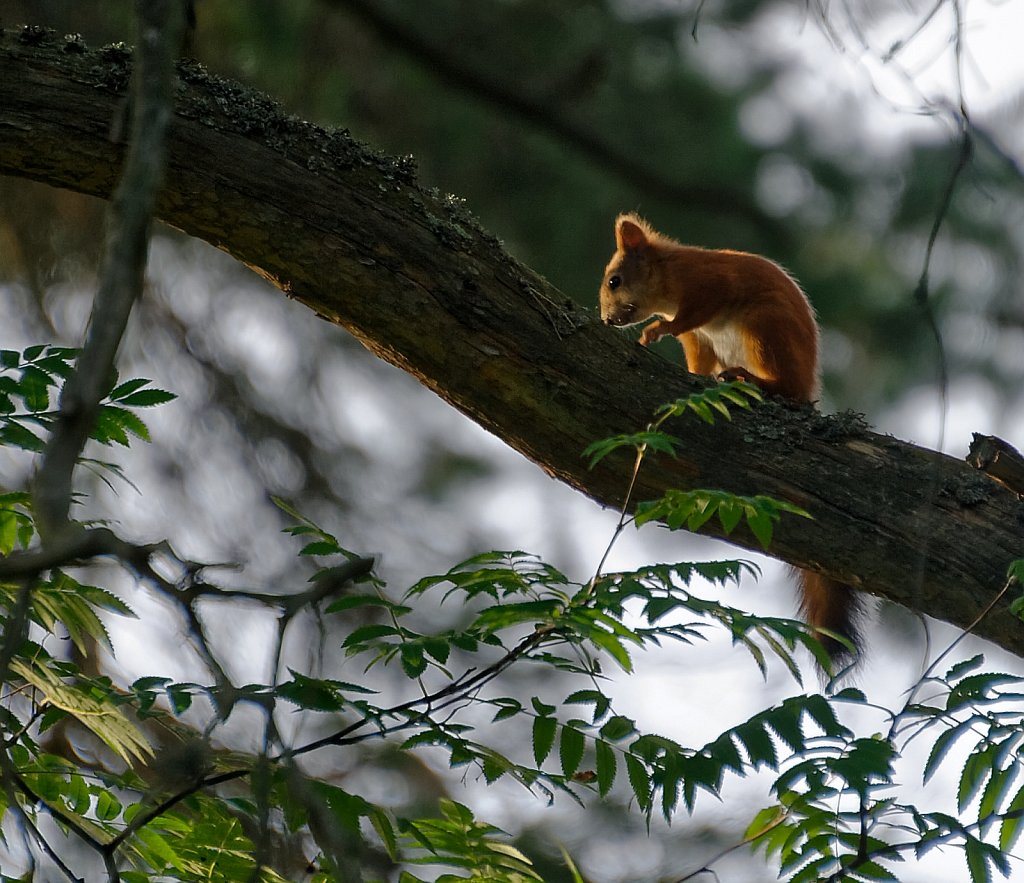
(739, 316)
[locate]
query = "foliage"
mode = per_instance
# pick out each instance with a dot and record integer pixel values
(191, 812)
(836, 818)
(28, 383)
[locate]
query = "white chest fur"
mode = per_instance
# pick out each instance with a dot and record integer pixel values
(728, 343)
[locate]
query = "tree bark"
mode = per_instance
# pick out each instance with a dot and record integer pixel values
(348, 232)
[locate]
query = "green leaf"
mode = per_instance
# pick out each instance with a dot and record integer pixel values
(819, 708)
(993, 795)
(757, 743)
(506, 708)
(312, 693)
(437, 648)
(617, 728)
(570, 750)
(542, 708)
(15, 435)
(978, 688)
(606, 766)
(975, 854)
(147, 398)
(614, 647)
(600, 702)
(101, 717)
(412, 659)
(385, 829)
(976, 771)
(765, 820)
(126, 388)
(786, 722)
(180, 696)
(76, 795)
(761, 524)
(350, 602)
(347, 809)
(108, 807)
(35, 388)
(649, 439)
(729, 514)
(114, 424)
(320, 547)
(8, 530)
(367, 633)
(965, 666)
(1010, 828)
(100, 597)
(639, 781)
(501, 616)
(725, 753)
(495, 766)
(543, 737)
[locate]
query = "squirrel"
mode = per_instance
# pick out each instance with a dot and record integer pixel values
(739, 316)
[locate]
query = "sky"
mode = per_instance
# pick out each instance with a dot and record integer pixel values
(903, 69)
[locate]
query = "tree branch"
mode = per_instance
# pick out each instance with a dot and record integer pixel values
(349, 233)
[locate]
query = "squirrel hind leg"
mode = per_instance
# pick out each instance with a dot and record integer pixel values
(828, 604)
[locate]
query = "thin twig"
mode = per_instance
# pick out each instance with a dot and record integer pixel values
(922, 295)
(706, 867)
(623, 518)
(929, 672)
(70, 548)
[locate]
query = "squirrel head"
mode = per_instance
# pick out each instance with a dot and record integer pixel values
(628, 289)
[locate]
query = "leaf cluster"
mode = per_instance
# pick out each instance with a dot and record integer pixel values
(154, 812)
(837, 816)
(29, 382)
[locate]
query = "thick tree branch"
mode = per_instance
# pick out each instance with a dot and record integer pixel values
(349, 233)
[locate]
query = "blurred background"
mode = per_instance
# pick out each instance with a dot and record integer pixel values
(822, 137)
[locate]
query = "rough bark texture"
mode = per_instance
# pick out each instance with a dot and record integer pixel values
(349, 233)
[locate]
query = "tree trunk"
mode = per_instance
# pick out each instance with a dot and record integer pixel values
(348, 232)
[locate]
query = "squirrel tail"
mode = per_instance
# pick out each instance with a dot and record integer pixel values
(828, 604)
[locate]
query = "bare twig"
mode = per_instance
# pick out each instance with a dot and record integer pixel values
(71, 548)
(922, 294)
(124, 260)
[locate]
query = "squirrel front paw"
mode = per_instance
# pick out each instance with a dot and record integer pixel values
(652, 333)
(734, 374)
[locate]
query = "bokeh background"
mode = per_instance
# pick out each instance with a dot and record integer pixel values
(824, 135)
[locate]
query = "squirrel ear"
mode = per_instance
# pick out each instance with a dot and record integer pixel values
(629, 234)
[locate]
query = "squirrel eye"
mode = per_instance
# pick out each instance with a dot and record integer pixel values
(614, 282)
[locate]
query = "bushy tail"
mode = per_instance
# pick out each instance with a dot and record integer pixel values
(828, 604)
